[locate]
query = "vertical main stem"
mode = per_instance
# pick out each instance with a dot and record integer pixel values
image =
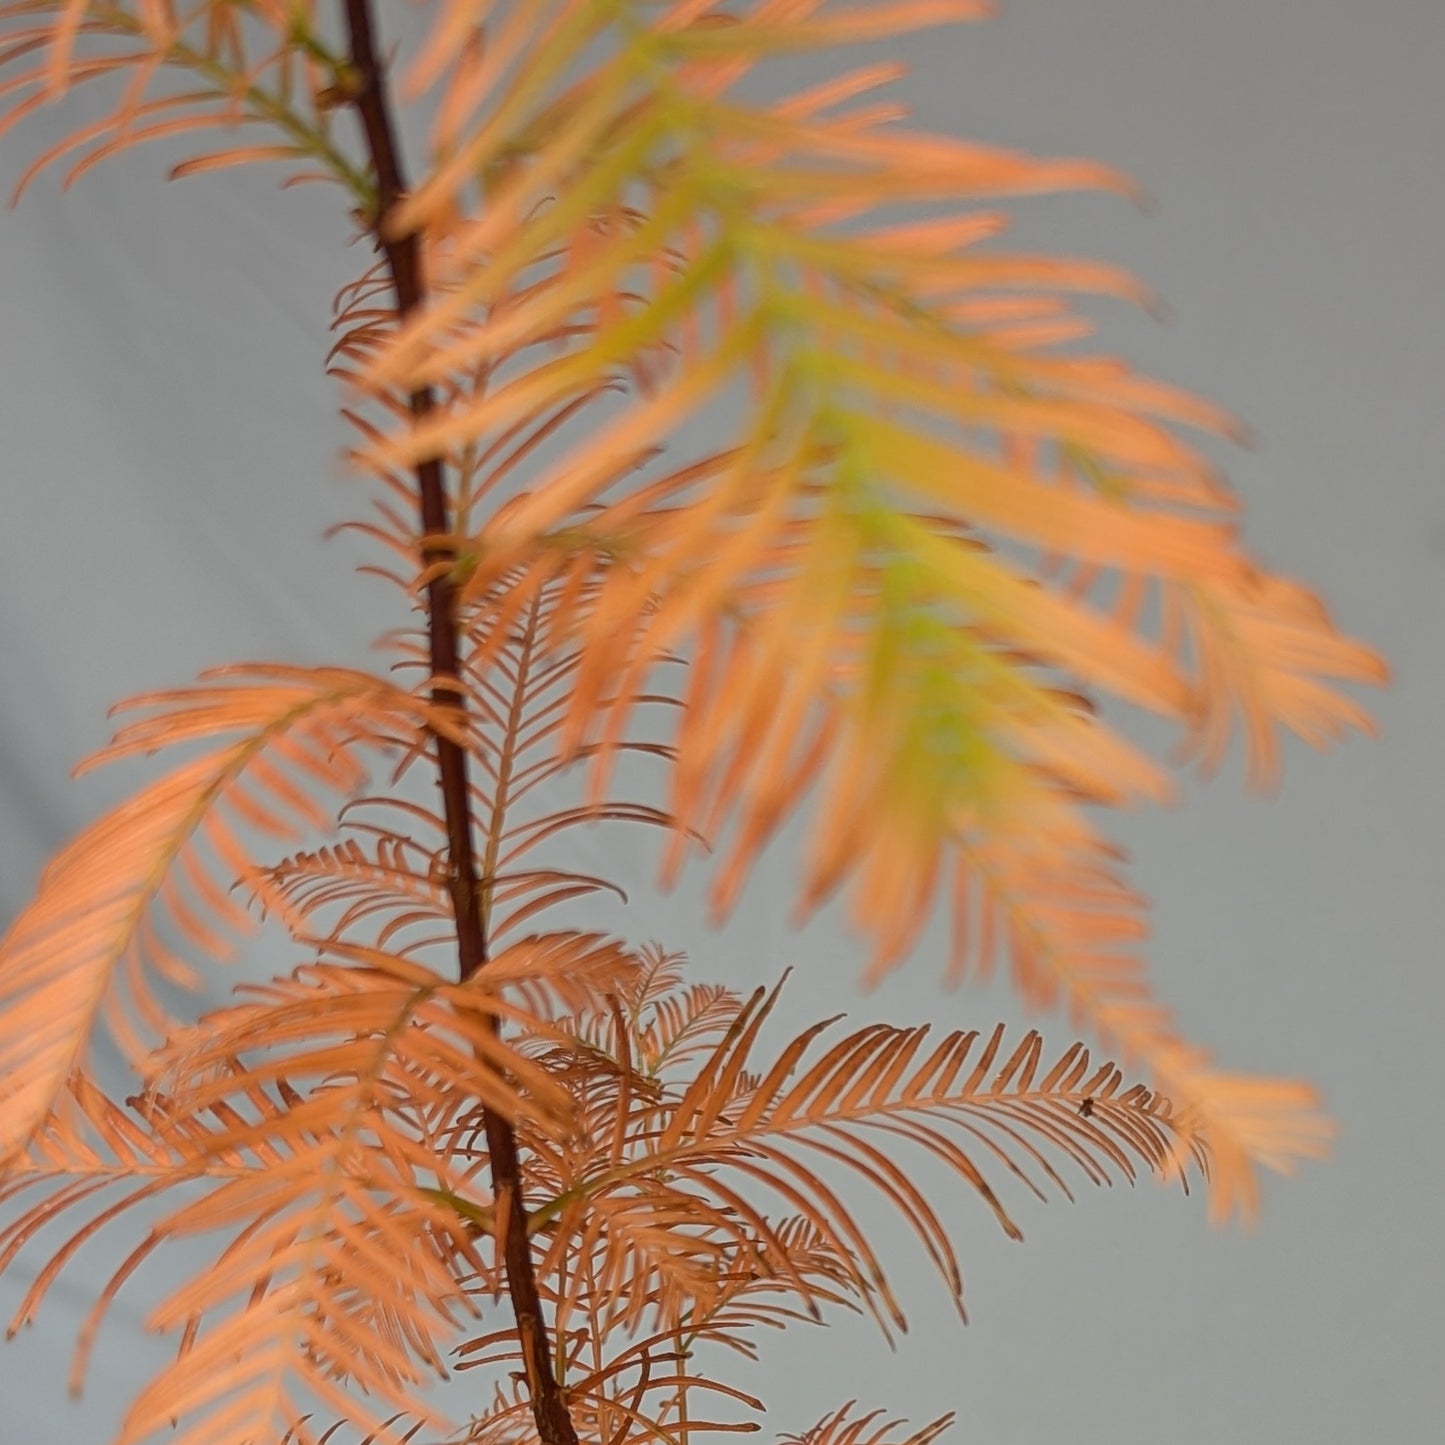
(549, 1408)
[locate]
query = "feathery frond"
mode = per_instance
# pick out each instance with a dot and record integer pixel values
(319, 1114)
(736, 1126)
(516, 685)
(303, 733)
(250, 62)
(334, 1122)
(850, 580)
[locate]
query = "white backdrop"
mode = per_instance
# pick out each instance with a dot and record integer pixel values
(169, 466)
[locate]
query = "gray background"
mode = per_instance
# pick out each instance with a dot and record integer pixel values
(169, 465)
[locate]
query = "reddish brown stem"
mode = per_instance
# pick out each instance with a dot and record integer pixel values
(403, 258)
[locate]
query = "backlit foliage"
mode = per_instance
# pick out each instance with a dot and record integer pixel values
(935, 534)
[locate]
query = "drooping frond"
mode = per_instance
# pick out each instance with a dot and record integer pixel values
(1050, 899)
(605, 214)
(866, 583)
(174, 849)
(319, 1115)
(341, 1273)
(1261, 649)
(329, 1127)
(335, 1272)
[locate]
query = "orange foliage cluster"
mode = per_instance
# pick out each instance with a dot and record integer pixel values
(937, 533)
